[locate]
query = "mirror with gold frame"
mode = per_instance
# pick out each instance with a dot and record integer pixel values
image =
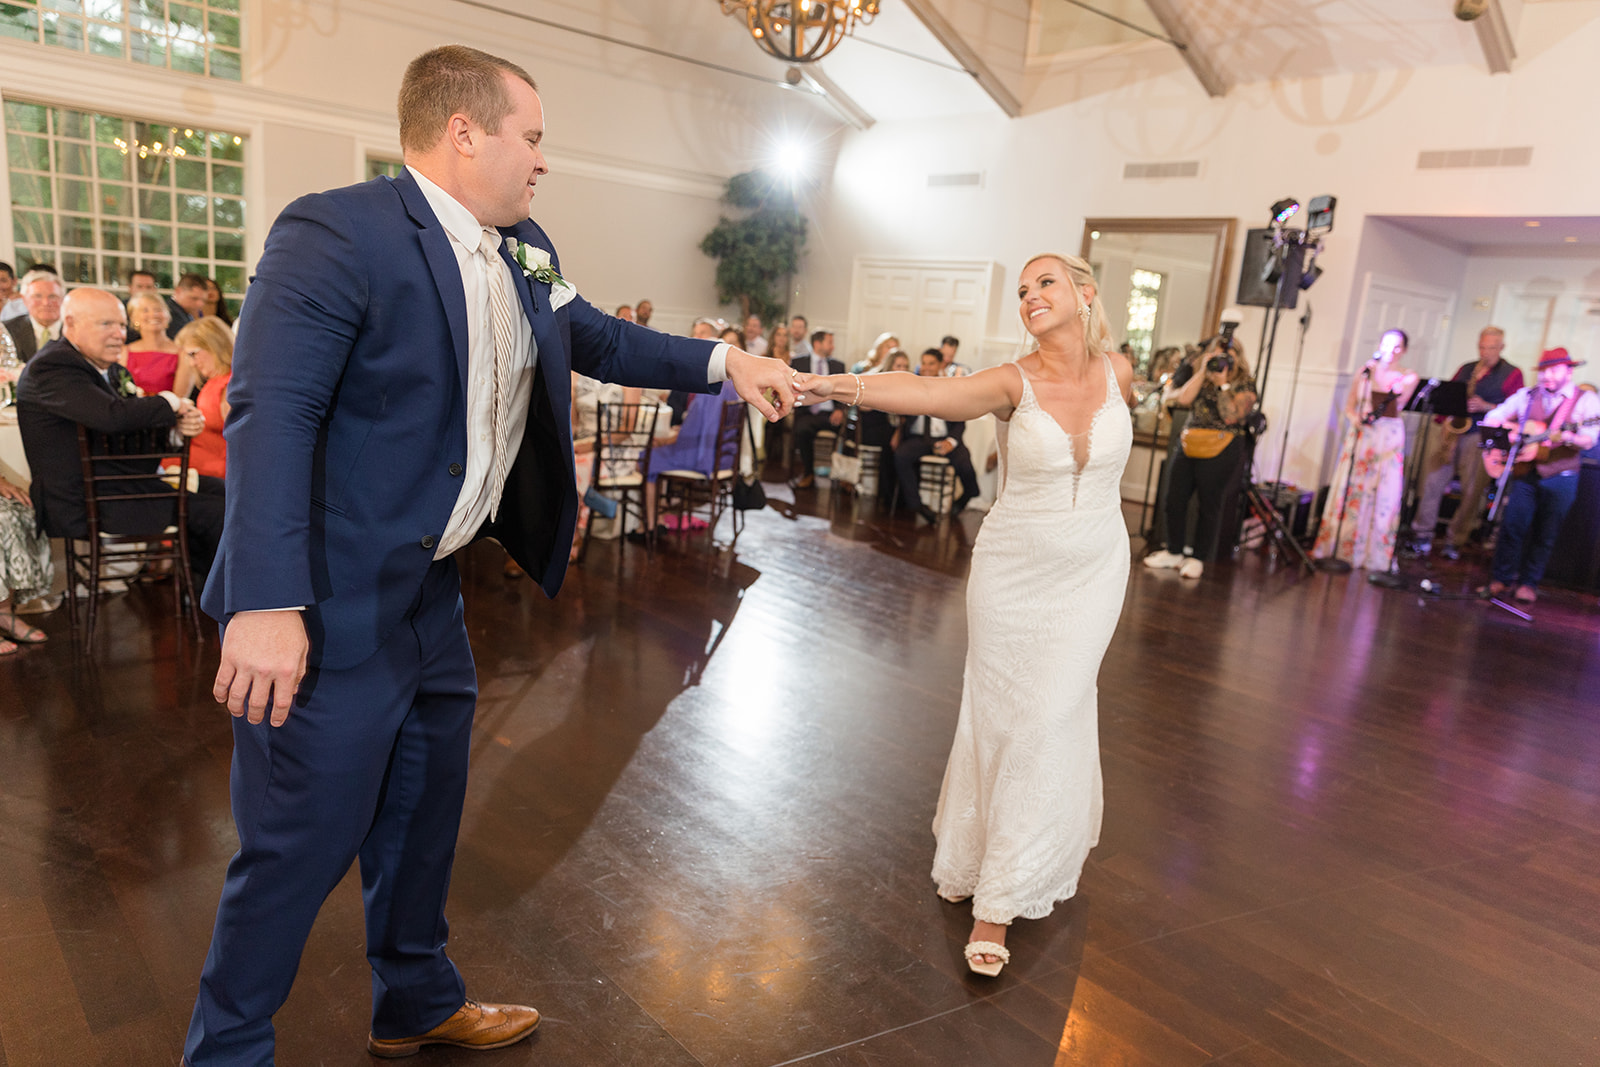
(1163, 282)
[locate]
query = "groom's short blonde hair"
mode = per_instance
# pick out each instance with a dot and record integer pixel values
(453, 79)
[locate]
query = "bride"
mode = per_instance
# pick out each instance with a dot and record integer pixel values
(1020, 805)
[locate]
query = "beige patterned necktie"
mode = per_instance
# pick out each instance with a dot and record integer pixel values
(503, 319)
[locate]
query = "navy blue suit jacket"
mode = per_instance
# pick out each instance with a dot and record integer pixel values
(347, 435)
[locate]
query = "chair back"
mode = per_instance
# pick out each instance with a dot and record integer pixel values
(117, 467)
(730, 438)
(627, 433)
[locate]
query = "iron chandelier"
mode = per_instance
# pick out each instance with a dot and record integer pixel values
(801, 31)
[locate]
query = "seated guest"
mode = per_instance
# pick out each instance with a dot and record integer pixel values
(1541, 490)
(42, 292)
(877, 356)
(923, 435)
(779, 346)
(947, 353)
(207, 346)
(1219, 399)
(11, 303)
(758, 340)
(814, 418)
(155, 365)
(187, 302)
(691, 446)
(26, 570)
(139, 281)
(79, 380)
(625, 313)
(216, 307)
(799, 338)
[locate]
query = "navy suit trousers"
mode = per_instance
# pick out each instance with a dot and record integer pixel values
(371, 764)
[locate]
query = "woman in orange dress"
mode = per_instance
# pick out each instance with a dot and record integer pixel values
(206, 344)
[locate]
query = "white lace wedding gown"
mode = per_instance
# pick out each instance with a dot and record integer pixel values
(1020, 805)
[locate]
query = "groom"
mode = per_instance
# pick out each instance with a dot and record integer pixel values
(400, 389)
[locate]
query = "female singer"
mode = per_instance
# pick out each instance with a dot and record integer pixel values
(1363, 512)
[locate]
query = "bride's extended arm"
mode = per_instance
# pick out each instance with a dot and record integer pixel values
(994, 390)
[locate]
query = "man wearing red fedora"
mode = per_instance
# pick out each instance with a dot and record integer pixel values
(1541, 490)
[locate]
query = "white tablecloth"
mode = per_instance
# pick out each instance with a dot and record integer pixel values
(13, 463)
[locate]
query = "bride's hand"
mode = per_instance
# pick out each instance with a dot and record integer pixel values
(814, 387)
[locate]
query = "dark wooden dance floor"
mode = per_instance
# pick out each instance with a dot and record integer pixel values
(1343, 826)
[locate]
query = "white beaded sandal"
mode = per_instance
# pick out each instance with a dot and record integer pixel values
(975, 949)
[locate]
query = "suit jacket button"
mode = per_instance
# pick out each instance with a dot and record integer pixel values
(427, 541)
(455, 470)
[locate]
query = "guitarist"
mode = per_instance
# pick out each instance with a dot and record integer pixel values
(1541, 490)
(1455, 452)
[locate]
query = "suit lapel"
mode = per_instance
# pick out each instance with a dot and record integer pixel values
(441, 263)
(553, 362)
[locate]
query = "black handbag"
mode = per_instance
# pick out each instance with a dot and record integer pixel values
(749, 495)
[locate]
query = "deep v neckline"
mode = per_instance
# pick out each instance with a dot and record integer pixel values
(1087, 436)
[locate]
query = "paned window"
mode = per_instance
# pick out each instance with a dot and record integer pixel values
(196, 37)
(389, 168)
(98, 195)
(1144, 304)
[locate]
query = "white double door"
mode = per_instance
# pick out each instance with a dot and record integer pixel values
(921, 301)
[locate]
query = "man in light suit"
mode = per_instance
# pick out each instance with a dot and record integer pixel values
(400, 388)
(43, 293)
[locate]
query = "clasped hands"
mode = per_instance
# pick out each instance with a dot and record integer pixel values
(191, 420)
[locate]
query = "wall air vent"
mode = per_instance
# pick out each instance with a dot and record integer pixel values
(949, 181)
(1183, 168)
(1458, 158)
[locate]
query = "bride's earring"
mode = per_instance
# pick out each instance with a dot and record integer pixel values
(1083, 314)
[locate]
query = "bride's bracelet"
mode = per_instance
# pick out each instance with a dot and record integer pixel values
(860, 385)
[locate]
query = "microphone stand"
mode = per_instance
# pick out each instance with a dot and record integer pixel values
(1496, 508)
(1333, 564)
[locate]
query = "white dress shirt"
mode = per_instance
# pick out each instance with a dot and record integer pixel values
(43, 334)
(819, 365)
(465, 233)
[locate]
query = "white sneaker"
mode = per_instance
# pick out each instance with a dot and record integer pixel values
(1163, 560)
(1192, 568)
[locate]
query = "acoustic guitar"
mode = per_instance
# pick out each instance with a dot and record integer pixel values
(1534, 448)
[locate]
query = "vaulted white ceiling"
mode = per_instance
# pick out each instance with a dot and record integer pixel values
(932, 58)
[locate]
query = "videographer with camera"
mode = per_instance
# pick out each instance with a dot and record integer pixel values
(1219, 392)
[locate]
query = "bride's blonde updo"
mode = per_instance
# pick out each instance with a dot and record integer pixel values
(1096, 334)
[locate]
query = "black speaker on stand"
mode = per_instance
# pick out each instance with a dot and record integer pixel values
(1258, 281)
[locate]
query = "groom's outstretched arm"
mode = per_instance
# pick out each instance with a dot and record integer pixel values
(296, 331)
(614, 350)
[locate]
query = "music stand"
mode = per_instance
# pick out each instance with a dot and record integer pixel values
(1432, 398)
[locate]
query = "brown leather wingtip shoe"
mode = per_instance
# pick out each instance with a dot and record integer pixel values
(475, 1026)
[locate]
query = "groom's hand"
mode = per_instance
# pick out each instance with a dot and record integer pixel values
(263, 657)
(761, 381)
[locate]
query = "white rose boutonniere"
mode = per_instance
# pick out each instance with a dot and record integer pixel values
(128, 388)
(535, 264)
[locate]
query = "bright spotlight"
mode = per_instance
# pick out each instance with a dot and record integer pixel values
(791, 159)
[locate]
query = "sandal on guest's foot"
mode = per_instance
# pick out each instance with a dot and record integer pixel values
(975, 949)
(21, 631)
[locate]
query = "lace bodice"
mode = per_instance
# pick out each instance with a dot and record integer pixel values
(1044, 467)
